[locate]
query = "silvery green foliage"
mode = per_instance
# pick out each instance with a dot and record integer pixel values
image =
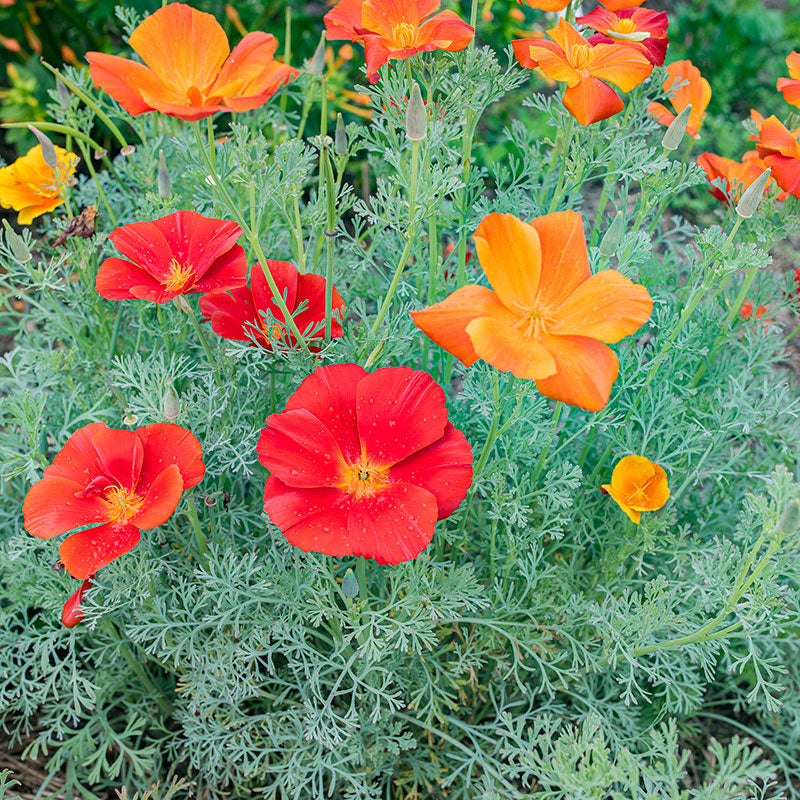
(542, 647)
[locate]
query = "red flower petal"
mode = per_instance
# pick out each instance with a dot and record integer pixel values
(229, 312)
(85, 552)
(77, 459)
(118, 279)
(165, 444)
(120, 455)
(72, 614)
(161, 499)
(229, 271)
(285, 276)
(56, 505)
(311, 289)
(145, 245)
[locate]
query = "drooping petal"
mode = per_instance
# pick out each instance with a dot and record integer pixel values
(590, 100)
(444, 468)
(376, 54)
(509, 349)
(300, 450)
(394, 525)
(229, 312)
(510, 254)
(165, 444)
(445, 31)
(85, 552)
(315, 520)
(56, 505)
(399, 411)
(72, 613)
(446, 322)
(586, 371)
(161, 499)
(122, 79)
(607, 307)
(525, 54)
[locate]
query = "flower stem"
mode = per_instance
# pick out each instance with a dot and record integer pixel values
(330, 233)
(546, 450)
(199, 536)
(562, 171)
(212, 144)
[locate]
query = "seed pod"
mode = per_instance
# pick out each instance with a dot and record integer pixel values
(751, 196)
(16, 244)
(317, 63)
(416, 116)
(164, 180)
(340, 138)
(609, 244)
(130, 419)
(790, 519)
(63, 94)
(48, 151)
(676, 130)
(349, 584)
(171, 404)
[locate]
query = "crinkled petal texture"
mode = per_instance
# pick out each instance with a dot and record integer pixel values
(118, 481)
(548, 318)
(638, 484)
(628, 27)
(779, 148)
(182, 253)
(189, 71)
(692, 88)
(548, 5)
(364, 464)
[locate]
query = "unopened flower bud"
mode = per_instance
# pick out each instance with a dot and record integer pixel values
(317, 63)
(677, 130)
(751, 196)
(16, 244)
(164, 181)
(350, 584)
(609, 244)
(182, 304)
(340, 138)
(790, 519)
(63, 94)
(416, 116)
(171, 404)
(48, 151)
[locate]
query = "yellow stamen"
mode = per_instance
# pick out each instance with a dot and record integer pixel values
(178, 277)
(121, 504)
(364, 479)
(404, 34)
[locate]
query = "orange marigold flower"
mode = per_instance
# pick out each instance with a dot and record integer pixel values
(189, 70)
(779, 148)
(737, 175)
(583, 66)
(391, 29)
(638, 484)
(791, 86)
(697, 92)
(546, 316)
(640, 28)
(30, 186)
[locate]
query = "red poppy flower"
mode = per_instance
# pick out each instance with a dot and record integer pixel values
(121, 482)
(796, 292)
(640, 28)
(746, 311)
(182, 253)
(189, 71)
(584, 67)
(251, 314)
(392, 29)
(791, 86)
(364, 464)
(693, 88)
(736, 175)
(620, 5)
(779, 148)
(72, 614)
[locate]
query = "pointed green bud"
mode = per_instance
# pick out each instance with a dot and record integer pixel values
(609, 244)
(790, 519)
(16, 244)
(350, 584)
(164, 180)
(63, 94)
(416, 116)
(48, 151)
(752, 195)
(340, 138)
(171, 404)
(677, 130)
(317, 63)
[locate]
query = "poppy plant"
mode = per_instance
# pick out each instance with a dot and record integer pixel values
(640, 28)
(30, 187)
(364, 464)
(638, 484)
(736, 175)
(584, 67)
(394, 29)
(790, 87)
(182, 253)
(118, 481)
(779, 149)
(546, 316)
(189, 70)
(692, 88)
(251, 314)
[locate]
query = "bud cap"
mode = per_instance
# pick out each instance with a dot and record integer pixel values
(752, 195)
(16, 244)
(340, 138)
(676, 130)
(48, 151)
(609, 244)
(790, 519)
(164, 180)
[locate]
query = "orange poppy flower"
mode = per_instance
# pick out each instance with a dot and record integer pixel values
(189, 70)
(697, 92)
(779, 148)
(546, 316)
(638, 484)
(738, 175)
(584, 68)
(391, 29)
(641, 28)
(791, 86)
(547, 5)
(747, 311)
(30, 186)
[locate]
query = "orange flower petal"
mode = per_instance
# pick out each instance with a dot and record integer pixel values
(446, 31)
(566, 36)
(621, 65)
(790, 90)
(608, 307)
(697, 92)
(247, 69)
(793, 63)
(632, 473)
(508, 349)
(343, 21)
(509, 252)
(381, 16)
(660, 113)
(634, 514)
(591, 100)
(122, 79)
(550, 57)
(524, 53)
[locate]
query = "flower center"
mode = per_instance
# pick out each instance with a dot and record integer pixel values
(625, 26)
(581, 55)
(364, 479)
(178, 277)
(404, 34)
(121, 504)
(533, 322)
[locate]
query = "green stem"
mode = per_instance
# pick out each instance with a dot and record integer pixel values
(88, 161)
(199, 536)
(201, 335)
(562, 170)
(543, 455)
(329, 233)
(212, 144)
